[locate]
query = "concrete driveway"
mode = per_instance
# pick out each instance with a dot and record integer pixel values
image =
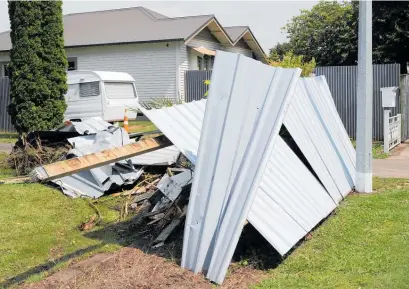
(395, 166)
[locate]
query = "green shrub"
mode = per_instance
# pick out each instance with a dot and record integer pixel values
(38, 65)
(293, 61)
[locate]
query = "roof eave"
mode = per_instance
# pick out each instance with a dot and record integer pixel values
(221, 33)
(257, 44)
(117, 43)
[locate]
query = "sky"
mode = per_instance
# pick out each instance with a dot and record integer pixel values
(264, 18)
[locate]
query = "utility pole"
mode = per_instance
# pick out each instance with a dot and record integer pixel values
(364, 100)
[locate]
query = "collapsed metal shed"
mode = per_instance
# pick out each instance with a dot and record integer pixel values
(244, 170)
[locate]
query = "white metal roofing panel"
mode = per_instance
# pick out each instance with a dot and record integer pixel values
(181, 124)
(324, 102)
(244, 113)
(165, 156)
(293, 123)
(303, 109)
(290, 198)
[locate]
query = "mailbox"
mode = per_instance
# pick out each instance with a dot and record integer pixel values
(389, 96)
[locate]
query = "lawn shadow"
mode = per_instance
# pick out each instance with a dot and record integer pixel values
(252, 248)
(47, 266)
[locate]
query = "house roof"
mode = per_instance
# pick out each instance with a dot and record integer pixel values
(134, 25)
(235, 32)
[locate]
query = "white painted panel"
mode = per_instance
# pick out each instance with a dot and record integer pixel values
(303, 110)
(290, 201)
(322, 98)
(237, 137)
(293, 123)
(183, 125)
(183, 67)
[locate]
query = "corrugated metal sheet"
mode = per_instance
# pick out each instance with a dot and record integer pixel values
(311, 123)
(237, 137)
(96, 181)
(195, 88)
(182, 125)
(288, 191)
(284, 234)
(289, 202)
(165, 156)
(404, 94)
(342, 83)
(5, 119)
(101, 135)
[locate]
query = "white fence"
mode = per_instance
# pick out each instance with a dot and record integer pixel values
(392, 130)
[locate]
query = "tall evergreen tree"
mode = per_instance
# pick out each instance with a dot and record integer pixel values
(38, 65)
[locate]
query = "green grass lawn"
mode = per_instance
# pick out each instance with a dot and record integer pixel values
(5, 171)
(39, 229)
(377, 150)
(364, 245)
(8, 137)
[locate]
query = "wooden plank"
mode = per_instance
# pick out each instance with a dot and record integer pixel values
(98, 159)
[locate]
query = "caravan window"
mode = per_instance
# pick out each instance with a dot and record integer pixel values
(119, 90)
(89, 89)
(72, 92)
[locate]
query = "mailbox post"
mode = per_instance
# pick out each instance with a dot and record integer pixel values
(388, 101)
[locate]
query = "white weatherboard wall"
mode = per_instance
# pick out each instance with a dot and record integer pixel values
(152, 65)
(240, 47)
(183, 66)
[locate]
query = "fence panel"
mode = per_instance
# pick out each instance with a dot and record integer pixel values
(342, 81)
(195, 88)
(404, 93)
(5, 120)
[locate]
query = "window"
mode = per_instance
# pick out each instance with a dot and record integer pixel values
(199, 63)
(5, 70)
(72, 64)
(89, 89)
(207, 62)
(119, 90)
(72, 92)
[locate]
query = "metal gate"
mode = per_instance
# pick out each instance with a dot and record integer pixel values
(195, 87)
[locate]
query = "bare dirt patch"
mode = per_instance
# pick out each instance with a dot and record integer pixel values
(140, 266)
(132, 268)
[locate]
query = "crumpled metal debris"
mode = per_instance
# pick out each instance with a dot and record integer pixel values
(98, 136)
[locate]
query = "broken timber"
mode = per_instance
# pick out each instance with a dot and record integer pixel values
(75, 165)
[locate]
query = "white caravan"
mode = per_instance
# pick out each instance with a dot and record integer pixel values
(101, 94)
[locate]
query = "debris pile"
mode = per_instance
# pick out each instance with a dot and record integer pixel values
(96, 135)
(239, 167)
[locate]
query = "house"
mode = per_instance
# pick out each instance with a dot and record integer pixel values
(155, 49)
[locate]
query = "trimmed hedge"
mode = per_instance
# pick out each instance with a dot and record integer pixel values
(38, 65)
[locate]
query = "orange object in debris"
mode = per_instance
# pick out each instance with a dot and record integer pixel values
(126, 124)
